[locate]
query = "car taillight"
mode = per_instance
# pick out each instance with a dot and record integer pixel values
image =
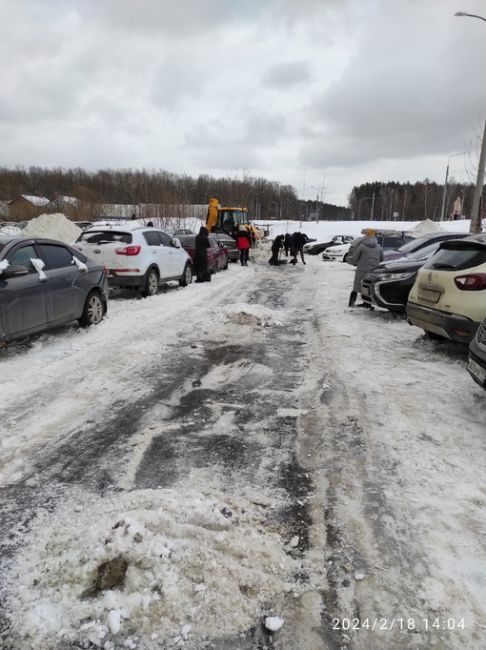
(128, 250)
(471, 282)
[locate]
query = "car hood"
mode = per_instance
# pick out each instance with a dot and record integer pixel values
(402, 265)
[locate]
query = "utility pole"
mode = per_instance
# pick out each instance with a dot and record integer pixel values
(373, 205)
(444, 194)
(478, 190)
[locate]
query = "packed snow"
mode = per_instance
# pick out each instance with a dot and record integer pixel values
(384, 426)
(146, 560)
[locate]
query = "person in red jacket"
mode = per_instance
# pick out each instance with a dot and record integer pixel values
(243, 243)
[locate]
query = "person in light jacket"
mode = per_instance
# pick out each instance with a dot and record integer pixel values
(367, 256)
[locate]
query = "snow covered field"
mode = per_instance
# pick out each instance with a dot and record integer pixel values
(238, 450)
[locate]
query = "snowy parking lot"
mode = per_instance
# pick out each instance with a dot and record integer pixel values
(243, 450)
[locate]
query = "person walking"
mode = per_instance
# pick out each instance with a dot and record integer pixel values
(243, 243)
(201, 256)
(367, 256)
(277, 245)
(298, 241)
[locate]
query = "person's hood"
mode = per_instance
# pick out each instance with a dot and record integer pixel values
(371, 242)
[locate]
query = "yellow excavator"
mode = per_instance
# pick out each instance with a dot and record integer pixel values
(228, 220)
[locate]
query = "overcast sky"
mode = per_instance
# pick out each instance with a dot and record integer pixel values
(306, 92)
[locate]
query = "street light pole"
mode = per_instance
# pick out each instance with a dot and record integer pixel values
(478, 190)
(460, 14)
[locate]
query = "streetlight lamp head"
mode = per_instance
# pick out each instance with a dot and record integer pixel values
(459, 13)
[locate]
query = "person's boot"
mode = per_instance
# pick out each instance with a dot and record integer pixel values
(352, 298)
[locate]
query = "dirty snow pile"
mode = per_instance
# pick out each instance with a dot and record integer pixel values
(143, 567)
(253, 314)
(53, 226)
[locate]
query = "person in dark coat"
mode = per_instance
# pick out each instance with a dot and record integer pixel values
(288, 245)
(201, 256)
(367, 256)
(298, 241)
(243, 244)
(277, 245)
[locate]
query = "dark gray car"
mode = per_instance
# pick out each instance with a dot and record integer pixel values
(45, 283)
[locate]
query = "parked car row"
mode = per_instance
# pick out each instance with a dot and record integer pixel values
(441, 286)
(45, 283)
(388, 240)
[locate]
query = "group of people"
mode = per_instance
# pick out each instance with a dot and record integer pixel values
(291, 244)
(243, 243)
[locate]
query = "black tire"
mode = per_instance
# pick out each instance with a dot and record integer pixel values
(186, 276)
(94, 310)
(433, 336)
(151, 283)
(345, 258)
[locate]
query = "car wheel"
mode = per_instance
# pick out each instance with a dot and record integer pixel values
(186, 276)
(93, 311)
(433, 336)
(151, 284)
(345, 258)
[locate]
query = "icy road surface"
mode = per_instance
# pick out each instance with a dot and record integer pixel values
(242, 464)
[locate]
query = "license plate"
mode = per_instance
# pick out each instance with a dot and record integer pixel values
(476, 370)
(429, 295)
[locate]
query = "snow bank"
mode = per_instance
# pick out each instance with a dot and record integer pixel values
(150, 560)
(53, 226)
(323, 230)
(252, 314)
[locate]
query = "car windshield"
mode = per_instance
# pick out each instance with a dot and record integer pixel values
(410, 246)
(424, 252)
(105, 237)
(457, 258)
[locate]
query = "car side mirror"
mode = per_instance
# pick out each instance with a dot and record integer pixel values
(13, 270)
(177, 242)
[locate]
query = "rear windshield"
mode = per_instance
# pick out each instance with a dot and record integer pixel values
(187, 240)
(105, 237)
(457, 258)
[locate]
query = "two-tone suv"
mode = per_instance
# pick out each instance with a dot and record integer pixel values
(448, 299)
(137, 256)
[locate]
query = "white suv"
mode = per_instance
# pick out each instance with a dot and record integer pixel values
(138, 256)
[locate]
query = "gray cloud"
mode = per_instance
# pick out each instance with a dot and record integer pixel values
(349, 89)
(284, 75)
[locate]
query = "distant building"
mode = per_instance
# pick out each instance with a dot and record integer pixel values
(26, 206)
(68, 205)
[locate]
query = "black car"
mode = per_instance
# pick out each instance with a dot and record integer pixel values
(417, 243)
(389, 284)
(45, 283)
(477, 356)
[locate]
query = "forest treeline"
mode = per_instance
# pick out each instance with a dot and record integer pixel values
(409, 201)
(265, 199)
